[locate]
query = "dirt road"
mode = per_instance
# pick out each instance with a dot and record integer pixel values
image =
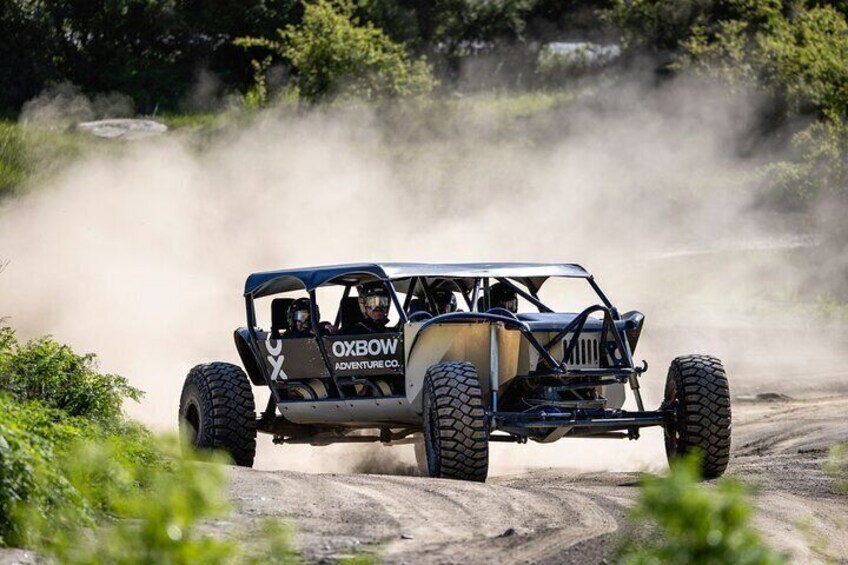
(560, 515)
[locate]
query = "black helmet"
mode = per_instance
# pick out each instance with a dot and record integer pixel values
(373, 296)
(503, 296)
(445, 301)
(300, 311)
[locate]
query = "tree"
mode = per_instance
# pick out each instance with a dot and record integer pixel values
(332, 55)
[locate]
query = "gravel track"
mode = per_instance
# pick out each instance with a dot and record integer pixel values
(559, 515)
(553, 515)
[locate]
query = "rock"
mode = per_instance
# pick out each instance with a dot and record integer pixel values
(124, 128)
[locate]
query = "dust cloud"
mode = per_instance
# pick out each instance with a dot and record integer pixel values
(140, 254)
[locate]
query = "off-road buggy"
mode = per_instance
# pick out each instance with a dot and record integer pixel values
(451, 382)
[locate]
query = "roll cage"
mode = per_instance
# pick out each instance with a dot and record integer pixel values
(473, 283)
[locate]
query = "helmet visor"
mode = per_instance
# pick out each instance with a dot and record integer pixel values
(302, 316)
(377, 302)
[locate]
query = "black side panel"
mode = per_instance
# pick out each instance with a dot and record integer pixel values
(635, 320)
(247, 358)
(366, 355)
(293, 358)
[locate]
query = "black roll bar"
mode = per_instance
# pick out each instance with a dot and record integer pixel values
(410, 293)
(316, 330)
(525, 295)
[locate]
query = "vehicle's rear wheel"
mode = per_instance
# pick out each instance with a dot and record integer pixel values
(217, 411)
(697, 388)
(456, 435)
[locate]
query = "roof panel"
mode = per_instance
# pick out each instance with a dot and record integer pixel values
(273, 282)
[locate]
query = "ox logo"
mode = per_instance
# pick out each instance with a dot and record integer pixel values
(276, 358)
(363, 347)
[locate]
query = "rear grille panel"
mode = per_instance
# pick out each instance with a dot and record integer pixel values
(586, 352)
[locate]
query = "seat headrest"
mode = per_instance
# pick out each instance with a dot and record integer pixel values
(481, 304)
(418, 305)
(279, 309)
(350, 312)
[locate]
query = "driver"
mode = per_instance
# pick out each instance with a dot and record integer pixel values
(445, 301)
(375, 303)
(503, 296)
(299, 318)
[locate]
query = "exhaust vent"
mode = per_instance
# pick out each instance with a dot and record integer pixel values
(585, 352)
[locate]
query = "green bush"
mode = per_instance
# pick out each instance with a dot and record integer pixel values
(695, 523)
(334, 56)
(81, 484)
(51, 399)
(12, 158)
(152, 513)
(29, 479)
(153, 510)
(29, 154)
(819, 169)
(800, 59)
(53, 374)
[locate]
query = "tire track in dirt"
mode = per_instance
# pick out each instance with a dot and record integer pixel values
(419, 520)
(559, 515)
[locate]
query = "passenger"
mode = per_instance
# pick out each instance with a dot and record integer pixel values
(374, 303)
(299, 318)
(445, 301)
(503, 296)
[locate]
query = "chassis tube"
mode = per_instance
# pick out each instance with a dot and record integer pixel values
(254, 347)
(494, 370)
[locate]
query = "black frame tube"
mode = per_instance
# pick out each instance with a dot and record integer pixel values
(391, 288)
(603, 296)
(313, 305)
(475, 295)
(345, 294)
(254, 346)
(410, 293)
(525, 295)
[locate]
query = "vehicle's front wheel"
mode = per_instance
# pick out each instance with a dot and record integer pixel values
(217, 411)
(697, 388)
(456, 434)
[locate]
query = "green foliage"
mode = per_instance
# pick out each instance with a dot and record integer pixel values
(458, 24)
(29, 479)
(399, 20)
(51, 399)
(696, 523)
(53, 374)
(13, 168)
(555, 69)
(84, 496)
(797, 58)
(837, 465)
(28, 154)
(559, 69)
(665, 25)
(820, 168)
(152, 513)
(801, 59)
(80, 483)
(150, 50)
(155, 511)
(333, 56)
(257, 96)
